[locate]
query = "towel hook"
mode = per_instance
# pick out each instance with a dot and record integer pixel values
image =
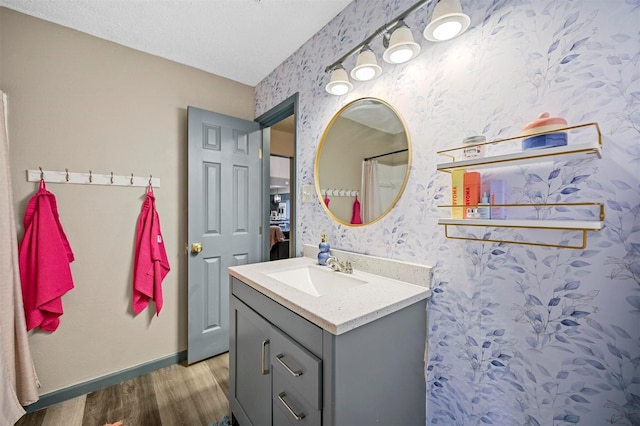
(90, 177)
(150, 177)
(111, 180)
(131, 180)
(41, 173)
(66, 177)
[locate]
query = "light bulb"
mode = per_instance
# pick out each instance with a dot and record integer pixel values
(447, 30)
(364, 73)
(339, 89)
(400, 55)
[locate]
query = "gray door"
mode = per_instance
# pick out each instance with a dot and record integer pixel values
(225, 217)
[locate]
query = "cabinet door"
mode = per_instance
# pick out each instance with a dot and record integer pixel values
(250, 370)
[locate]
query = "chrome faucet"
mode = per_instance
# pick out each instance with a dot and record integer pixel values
(338, 266)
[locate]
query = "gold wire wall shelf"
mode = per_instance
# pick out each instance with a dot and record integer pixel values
(582, 226)
(589, 147)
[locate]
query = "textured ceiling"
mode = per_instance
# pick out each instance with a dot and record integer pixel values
(243, 40)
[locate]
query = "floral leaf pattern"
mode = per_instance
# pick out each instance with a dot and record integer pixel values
(517, 335)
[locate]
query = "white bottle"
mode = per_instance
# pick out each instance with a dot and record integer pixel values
(484, 208)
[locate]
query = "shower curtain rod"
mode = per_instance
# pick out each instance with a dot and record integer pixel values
(388, 153)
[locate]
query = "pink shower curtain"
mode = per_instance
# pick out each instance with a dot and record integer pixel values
(18, 381)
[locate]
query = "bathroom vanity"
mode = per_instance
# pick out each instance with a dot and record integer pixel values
(309, 346)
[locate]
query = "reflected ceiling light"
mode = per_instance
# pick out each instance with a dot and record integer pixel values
(401, 48)
(448, 21)
(339, 84)
(367, 67)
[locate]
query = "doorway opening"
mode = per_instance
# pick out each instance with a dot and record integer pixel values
(280, 200)
(280, 147)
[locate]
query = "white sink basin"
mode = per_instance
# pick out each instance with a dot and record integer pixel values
(316, 280)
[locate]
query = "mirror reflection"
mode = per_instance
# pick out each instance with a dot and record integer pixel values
(362, 164)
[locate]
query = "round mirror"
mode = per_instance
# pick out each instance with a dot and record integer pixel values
(362, 164)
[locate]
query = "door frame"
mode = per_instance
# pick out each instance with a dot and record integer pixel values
(276, 114)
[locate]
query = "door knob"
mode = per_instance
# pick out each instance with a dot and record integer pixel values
(196, 247)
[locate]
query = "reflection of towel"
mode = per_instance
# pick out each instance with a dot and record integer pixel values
(356, 219)
(45, 255)
(275, 235)
(150, 262)
(326, 199)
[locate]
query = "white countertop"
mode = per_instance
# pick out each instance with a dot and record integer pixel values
(339, 312)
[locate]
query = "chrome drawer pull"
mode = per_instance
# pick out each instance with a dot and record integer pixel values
(281, 396)
(264, 371)
(293, 373)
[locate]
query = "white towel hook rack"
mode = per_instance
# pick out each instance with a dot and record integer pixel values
(67, 177)
(335, 192)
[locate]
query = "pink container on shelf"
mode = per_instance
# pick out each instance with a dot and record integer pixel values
(544, 123)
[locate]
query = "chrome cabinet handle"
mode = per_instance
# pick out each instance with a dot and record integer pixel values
(293, 373)
(296, 416)
(264, 370)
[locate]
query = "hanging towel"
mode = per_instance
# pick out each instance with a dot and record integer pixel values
(356, 219)
(150, 262)
(275, 235)
(44, 255)
(326, 199)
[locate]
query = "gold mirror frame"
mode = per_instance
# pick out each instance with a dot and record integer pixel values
(325, 139)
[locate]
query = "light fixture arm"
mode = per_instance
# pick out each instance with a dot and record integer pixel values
(385, 29)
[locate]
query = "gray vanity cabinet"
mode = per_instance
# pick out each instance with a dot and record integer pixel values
(373, 374)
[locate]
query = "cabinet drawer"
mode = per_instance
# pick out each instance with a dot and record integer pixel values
(289, 406)
(297, 366)
(306, 333)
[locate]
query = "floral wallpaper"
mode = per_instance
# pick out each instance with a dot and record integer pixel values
(518, 335)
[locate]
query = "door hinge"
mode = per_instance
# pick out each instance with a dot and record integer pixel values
(260, 153)
(260, 230)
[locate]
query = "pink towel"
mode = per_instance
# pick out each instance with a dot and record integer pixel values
(44, 257)
(275, 235)
(356, 219)
(150, 262)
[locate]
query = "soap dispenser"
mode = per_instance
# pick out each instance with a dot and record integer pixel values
(324, 247)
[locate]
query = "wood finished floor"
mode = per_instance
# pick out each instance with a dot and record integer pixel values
(172, 396)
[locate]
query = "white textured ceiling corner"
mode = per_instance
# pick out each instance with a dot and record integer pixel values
(243, 40)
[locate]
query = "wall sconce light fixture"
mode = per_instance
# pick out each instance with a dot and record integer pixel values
(448, 21)
(339, 83)
(367, 67)
(400, 45)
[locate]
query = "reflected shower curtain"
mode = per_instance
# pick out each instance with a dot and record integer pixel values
(18, 380)
(370, 192)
